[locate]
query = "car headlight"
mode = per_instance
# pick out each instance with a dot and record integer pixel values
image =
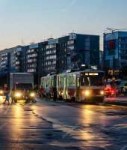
(1, 92)
(32, 94)
(102, 92)
(18, 94)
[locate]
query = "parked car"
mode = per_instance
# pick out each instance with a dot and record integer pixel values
(112, 88)
(123, 87)
(110, 91)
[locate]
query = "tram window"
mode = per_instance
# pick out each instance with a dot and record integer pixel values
(96, 81)
(85, 81)
(78, 82)
(71, 80)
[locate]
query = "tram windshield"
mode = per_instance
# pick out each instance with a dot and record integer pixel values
(92, 80)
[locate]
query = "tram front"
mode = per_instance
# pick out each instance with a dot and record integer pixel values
(91, 87)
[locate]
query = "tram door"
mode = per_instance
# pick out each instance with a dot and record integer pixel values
(62, 86)
(65, 88)
(77, 88)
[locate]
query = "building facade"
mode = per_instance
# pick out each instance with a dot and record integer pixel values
(51, 56)
(115, 50)
(11, 60)
(77, 49)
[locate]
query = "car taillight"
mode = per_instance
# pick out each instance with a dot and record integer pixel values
(112, 91)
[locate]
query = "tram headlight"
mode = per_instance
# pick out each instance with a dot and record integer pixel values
(32, 94)
(18, 94)
(102, 92)
(87, 93)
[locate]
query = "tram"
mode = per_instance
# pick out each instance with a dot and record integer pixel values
(48, 83)
(86, 86)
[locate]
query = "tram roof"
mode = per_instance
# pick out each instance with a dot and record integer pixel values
(86, 70)
(76, 72)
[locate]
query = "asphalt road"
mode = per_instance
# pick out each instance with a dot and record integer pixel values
(49, 125)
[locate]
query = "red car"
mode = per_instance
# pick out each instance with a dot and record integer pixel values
(110, 91)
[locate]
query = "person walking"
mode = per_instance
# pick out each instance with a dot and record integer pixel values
(7, 95)
(47, 92)
(54, 93)
(12, 96)
(41, 92)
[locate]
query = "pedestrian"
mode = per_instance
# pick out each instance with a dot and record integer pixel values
(7, 96)
(47, 92)
(12, 96)
(54, 93)
(41, 92)
(27, 92)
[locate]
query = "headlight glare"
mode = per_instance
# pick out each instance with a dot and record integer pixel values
(18, 94)
(102, 92)
(87, 93)
(32, 94)
(1, 92)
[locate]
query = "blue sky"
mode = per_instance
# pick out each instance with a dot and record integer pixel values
(26, 21)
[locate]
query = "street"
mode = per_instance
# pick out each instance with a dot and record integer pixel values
(57, 125)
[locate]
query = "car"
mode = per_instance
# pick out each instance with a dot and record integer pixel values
(123, 87)
(112, 88)
(110, 91)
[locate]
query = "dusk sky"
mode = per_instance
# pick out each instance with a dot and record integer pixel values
(27, 21)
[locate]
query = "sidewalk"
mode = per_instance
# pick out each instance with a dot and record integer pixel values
(121, 100)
